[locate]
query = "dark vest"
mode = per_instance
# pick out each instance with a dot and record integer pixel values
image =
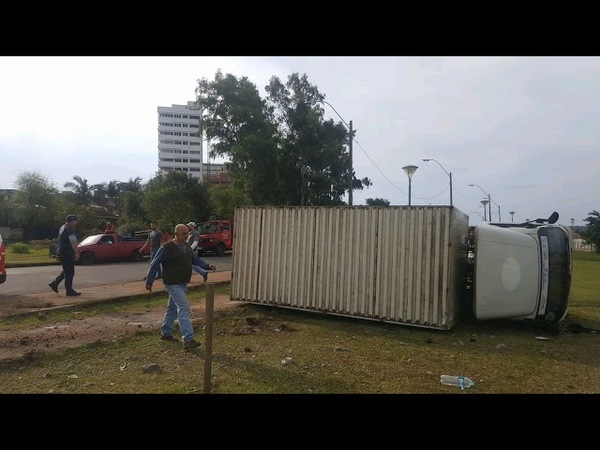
(177, 268)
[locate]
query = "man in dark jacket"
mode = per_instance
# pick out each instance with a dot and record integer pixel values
(177, 259)
(68, 252)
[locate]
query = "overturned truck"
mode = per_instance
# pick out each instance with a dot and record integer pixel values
(423, 266)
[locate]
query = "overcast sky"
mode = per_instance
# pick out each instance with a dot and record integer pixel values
(522, 128)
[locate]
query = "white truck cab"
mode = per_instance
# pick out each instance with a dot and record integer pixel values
(522, 271)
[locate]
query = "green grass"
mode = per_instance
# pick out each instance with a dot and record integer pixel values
(329, 354)
(39, 254)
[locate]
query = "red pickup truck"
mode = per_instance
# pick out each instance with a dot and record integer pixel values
(216, 236)
(108, 247)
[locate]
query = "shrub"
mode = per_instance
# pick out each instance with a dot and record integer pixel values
(20, 247)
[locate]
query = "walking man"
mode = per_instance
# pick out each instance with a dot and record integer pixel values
(68, 252)
(154, 241)
(177, 259)
(193, 239)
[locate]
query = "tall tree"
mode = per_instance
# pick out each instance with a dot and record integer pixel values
(591, 235)
(282, 151)
(237, 122)
(316, 149)
(83, 192)
(34, 203)
(175, 197)
(224, 201)
(133, 185)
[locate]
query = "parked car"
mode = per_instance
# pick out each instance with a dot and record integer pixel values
(106, 247)
(2, 261)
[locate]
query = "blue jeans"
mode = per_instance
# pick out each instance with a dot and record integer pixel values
(159, 271)
(178, 308)
(201, 271)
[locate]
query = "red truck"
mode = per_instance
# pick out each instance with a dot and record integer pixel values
(108, 247)
(216, 236)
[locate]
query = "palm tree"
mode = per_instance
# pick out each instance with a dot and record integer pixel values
(81, 189)
(133, 185)
(113, 189)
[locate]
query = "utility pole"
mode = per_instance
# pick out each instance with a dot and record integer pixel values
(351, 176)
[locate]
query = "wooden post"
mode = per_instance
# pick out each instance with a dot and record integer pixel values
(208, 333)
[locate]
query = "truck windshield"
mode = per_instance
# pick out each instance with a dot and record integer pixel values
(555, 241)
(207, 228)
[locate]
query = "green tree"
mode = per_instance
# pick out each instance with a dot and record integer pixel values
(237, 122)
(282, 150)
(109, 195)
(8, 211)
(591, 235)
(82, 191)
(377, 202)
(314, 163)
(132, 217)
(320, 146)
(224, 201)
(133, 185)
(34, 203)
(175, 197)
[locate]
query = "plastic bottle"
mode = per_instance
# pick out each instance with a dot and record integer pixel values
(459, 381)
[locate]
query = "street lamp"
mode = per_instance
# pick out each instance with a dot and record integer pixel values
(485, 202)
(489, 199)
(409, 171)
(449, 175)
(512, 216)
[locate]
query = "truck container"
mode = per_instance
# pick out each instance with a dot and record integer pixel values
(422, 266)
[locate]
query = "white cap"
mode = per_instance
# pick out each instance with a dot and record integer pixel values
(191, 224)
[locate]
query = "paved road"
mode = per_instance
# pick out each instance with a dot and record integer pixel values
(29, 280)
(41, 297)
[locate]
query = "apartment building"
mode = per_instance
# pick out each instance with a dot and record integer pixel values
(179, 139)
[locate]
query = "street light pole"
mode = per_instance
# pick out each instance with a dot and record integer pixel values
(409, 171)
(350, 175)
(447, 173)
(485, 202)
(489, 199)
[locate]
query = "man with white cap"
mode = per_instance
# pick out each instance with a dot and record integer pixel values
(193, 239)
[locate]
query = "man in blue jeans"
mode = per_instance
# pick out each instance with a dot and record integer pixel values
(154, 241)
(68, 252)
(177, 259)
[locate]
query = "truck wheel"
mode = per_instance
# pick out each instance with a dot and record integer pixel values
(220, 250)
(137, 256)
(87, 258)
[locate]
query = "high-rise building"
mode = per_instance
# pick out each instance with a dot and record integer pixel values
(179, 139)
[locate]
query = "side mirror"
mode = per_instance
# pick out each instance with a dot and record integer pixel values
(553, 217)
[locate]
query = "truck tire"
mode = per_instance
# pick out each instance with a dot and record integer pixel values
(220, 250)
(87, 258)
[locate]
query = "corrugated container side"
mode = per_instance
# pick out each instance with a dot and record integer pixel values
(393, 264)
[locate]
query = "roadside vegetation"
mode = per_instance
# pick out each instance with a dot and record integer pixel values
(268, 350)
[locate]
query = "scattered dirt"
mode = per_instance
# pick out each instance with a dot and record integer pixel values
(75, 333)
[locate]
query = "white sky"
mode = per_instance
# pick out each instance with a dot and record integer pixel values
(522, 128)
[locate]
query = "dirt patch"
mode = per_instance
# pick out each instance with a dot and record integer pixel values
(53, 336)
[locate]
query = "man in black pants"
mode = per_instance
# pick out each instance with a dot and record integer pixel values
(68, 253)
